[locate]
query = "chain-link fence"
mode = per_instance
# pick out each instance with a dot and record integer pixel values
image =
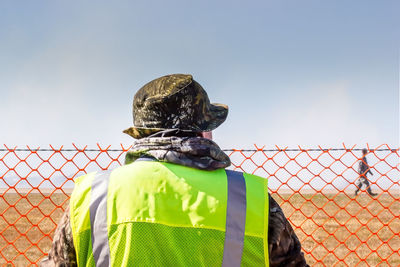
(315, 187)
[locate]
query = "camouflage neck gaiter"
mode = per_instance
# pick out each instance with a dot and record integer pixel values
(195, 152)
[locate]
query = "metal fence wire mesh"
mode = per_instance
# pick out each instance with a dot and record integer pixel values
(315, 188)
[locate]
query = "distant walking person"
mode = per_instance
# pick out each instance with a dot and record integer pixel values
(363, 170)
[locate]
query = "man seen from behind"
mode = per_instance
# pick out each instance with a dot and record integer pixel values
(174, 203)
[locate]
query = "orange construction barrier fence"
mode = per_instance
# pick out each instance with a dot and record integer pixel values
(315, 188)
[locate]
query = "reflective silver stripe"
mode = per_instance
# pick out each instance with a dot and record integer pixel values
(98, 219)
(235, 219)
(146, 159)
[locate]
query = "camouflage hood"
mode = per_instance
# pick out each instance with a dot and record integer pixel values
(195, 152)
(174, 102)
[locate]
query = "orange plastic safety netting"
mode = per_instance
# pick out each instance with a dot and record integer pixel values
(315, 187)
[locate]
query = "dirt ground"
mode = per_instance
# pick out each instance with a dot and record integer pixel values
(335, 229)
(340, 229)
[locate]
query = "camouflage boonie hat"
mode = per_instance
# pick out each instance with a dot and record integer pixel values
(174, 102)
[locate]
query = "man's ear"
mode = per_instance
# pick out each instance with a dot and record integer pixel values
(207, 135)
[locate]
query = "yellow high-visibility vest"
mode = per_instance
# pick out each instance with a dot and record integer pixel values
(151, 213)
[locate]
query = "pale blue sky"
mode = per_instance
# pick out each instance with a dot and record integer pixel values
(292, 72)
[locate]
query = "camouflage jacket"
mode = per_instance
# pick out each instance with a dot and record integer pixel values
(284, 246)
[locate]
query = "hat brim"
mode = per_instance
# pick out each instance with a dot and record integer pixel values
(141, 132)
(218, 114)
